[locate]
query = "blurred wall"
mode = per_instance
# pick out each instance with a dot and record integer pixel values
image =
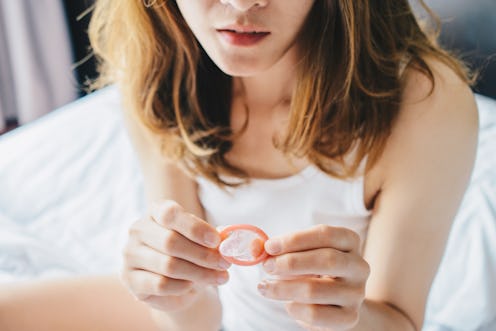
(35, 59)
(469, 28)
(78, 17)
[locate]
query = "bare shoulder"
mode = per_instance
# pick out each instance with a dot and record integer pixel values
(143, 142)
(434, 120)
(450, 100)
(162, 178)
(418, 85)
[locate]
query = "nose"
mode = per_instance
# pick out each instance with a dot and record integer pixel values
(245, 5)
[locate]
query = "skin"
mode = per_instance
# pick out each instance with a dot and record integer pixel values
(414, 191)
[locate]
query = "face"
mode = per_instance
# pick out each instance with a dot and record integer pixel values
(246, 37)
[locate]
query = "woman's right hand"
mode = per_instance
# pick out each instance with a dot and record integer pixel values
(171, 257)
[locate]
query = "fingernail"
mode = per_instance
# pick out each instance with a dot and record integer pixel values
(221, 279)
(211, 240)
(273, 247)
(270, 265)
(262, 288)
(223, 264)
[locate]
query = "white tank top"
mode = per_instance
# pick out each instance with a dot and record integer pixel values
(278, 206)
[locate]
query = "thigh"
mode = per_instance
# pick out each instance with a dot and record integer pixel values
(82, 303)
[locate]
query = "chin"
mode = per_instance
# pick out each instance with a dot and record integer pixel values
(242, 68)
(241, 65)
(239, 72)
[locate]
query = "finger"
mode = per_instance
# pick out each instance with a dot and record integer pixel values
(323, 261)
(316, 237)
(174, 244)
(323, 316)
(322, 291)
(145, 283)
(172, 216)
(146, 258)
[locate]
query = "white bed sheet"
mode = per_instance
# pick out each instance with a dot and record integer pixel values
(70, 186)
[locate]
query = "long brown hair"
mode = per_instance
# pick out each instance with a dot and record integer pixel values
(347, 96)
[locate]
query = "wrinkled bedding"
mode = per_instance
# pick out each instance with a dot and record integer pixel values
(70, 186)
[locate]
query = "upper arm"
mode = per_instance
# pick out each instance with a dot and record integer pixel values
(426, 167)
(162, 179)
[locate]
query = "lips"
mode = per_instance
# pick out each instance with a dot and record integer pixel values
(242, 38)
(243, 28)
(243, 35)
(243, 32)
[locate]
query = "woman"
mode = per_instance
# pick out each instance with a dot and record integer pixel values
(339, 127)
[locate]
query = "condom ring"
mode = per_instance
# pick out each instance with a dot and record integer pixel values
(243, 244)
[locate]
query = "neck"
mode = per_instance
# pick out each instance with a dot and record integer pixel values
(270, 88)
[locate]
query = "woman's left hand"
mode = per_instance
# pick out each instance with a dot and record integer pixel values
(321, 272)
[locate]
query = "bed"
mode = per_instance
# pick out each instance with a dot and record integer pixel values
(70, 186)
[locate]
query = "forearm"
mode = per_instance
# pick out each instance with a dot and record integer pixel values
(376, 316)
(204, 315)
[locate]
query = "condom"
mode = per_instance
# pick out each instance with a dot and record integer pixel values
(243, 244)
